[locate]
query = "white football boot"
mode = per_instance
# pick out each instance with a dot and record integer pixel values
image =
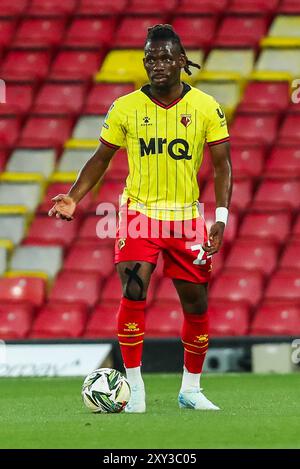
(136, 403)
(195, 399)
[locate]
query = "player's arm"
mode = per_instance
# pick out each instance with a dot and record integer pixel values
(220, 155)
(90, 174)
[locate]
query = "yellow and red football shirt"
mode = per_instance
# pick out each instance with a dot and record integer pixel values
(165, 148)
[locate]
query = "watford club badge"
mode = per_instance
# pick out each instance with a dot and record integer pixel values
(186, 119)
(121, 243)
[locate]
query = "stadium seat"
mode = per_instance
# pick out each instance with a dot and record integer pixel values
(290, 129)
(88, 231)
(225, 92)
(195, 31)
(279, 60)
(102, 95)
(88, 128)
(3, 257)
(62, 188)
(7, 29)
(118, 167)
(132, 31)
(45, 259)
(109, 192)
(202, 6)
(75, 65)
(289, 7)
(51, 7)
(249, 161)
(241, 31)
(166, 291)
(15, 320)
(284, 285)
(252, 6)
(9, 131)
(19, 99)
(296, 229)
(77, 287)
(59, 320)
(250, 128)
(51, 231)
(276, 319)
(265, 96)
(228, 319)
(277, 194)
(22, 194)
(13, 9)
(164, 319)
(258, 256)
(121, 66)
(39, 32)
(32, 161)
(3, 158)
(291, 256)
(90, 32)
(142, 7)
(90, 257)
(43, 132)
(284, 161)
(284, 26)
(103, 322)
(241, 194)
(73, 160)
(266, 226)
(238, 285)
(29, 290)
(12, 227)
(59, 99)
(233, 63)
(25, 65)
(101, 7)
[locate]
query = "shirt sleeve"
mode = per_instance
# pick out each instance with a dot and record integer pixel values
(216, 131)
(113, 134)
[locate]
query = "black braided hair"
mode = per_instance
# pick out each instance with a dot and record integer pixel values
(165, 32)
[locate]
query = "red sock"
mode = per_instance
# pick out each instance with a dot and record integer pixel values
(195, 341)
(131, 328)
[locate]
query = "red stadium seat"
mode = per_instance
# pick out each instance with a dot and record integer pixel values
(202, 6)
(241, 195)
(284, 160)
(290, 129)
(276, 319)
(252, 6)
(15, 320)
(19, 99)
(59, 320)
(195, 31)
(103, 322)
(250, 128)
(102, 95)
(90, 32)
(44, 132)
(90, 257)
(241, 31)
(133, 31)
(3, 158)
(110, 193)
(291, 7)
(266, 226)
(238, 285)
(291, 256)
(9, 130)
(23, 289)
(51, 7)
(41, 32)
(101, 7)
(150, 6)
(77, 287)
(50, 231)
(258, 256)
(59, 99)
(277, 194)
(25, 65)
(7, 28)
(62, 188)
(229, 319)
(112, 291)
(296, 229)
(284, 285)
(265, 96)
(75, 65)
(249, 161)
(15, 8)
(166, 291)
(118, 167)
(89, 231)
(164, 319)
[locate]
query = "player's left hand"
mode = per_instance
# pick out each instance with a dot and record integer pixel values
(215, 238)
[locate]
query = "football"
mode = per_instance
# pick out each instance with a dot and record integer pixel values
(105, 391)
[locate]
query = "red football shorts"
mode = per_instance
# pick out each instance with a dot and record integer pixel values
(140, 238)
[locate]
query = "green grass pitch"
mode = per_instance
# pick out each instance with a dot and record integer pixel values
(258, 411)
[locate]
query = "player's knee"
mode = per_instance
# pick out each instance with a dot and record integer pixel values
(199, 307)
(133, 292)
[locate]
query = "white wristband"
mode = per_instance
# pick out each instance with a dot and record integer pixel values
(222, 214)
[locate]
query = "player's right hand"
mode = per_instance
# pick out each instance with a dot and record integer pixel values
(63, 208)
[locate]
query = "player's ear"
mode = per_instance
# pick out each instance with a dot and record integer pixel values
(182, 60)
